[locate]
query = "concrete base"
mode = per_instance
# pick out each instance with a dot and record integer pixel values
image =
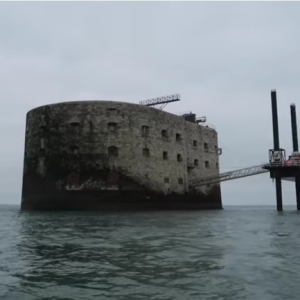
(121, 200)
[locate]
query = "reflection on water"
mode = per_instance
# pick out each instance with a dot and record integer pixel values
(237, 253)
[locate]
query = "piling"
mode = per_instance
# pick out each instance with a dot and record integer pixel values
(295, 149)
(276, 147)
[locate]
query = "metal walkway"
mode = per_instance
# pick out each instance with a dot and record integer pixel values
(250, 171)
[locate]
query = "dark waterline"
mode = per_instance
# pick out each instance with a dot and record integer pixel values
(249, 252)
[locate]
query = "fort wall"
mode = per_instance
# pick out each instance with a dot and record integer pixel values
(108, 145)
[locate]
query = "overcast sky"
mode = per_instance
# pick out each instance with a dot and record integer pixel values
(222, 58)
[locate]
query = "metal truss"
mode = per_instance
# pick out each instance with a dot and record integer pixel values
(250, 171)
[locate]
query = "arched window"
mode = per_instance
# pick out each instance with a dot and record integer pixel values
(113, 151)
(179, 157)
(206, 164)
(194, 143)
(196, 162)
(146, 152)
(165, 155)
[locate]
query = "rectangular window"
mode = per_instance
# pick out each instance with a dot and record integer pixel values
(164, 134)
(205, 147)
(165, 155)
(146, 152)
(180, 180)
(112, 127)
(145, 131)
(113, 151)
(178, 137)
(42, 143)
(166, 179)
(112, 110)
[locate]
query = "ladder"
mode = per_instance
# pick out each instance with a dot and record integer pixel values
(245, 172)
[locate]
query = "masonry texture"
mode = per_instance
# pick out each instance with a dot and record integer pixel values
(116, 155)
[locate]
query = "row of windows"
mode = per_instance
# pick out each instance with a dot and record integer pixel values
(166, 180)
(113, 151)
(112, 127)
(164, 135)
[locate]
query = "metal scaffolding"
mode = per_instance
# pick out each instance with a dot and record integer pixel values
(245, 172)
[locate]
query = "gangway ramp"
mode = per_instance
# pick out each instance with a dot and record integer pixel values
(245, 172)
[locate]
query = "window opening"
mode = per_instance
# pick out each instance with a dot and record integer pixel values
(112, 127)
(145, 131)
(206, 147)
(164, 134)
(113, 151)
(178, 137)
(146, 152)
(75, 149)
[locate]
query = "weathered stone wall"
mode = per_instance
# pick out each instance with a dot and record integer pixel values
(105, 144)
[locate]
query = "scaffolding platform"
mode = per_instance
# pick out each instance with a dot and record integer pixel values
(280, 167)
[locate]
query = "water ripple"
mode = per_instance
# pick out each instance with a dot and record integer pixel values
(232, 254)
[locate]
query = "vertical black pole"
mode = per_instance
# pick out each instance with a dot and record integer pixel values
(276, 147)
(296, 149)
(294, 128)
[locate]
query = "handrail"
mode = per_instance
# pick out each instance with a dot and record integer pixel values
(285, 163)
(245, 172)
(240, 173)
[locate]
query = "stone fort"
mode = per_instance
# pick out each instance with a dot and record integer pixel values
(87, 149)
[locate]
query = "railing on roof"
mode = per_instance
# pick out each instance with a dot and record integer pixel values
(207, 125)
(187, 112)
